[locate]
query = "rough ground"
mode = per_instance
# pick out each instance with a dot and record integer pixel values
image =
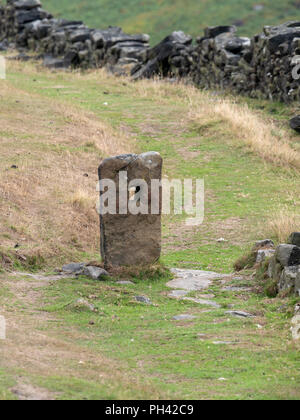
(49, 354)
(55, 129)
(34, 347)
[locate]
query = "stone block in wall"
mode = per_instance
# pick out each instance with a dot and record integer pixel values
(275, 269)
(288, 255)
(79, 35)
(171, 57)
(265, 243)
(288, 278)
(284, 34)
(263, 254)
(25, 4)
(213, 31)
(297, 284)
(26, 16)
(294, 239)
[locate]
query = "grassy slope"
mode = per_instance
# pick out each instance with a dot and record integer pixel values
(159, 117)
(159, 18)
(151, 355)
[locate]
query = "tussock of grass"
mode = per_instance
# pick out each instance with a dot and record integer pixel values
(30, 261)
(82, 201)
(263, 284)
(153, 272)
(271, 288)
(245, 262)
(282, 224)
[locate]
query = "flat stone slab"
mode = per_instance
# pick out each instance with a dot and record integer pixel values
(183, 317)
(206, 296)
(143, 299)
(73, 268)
(41, 277)
(193, 279)
(235, 289)
(95, 273)
(240, 314)
(203, 302)
(178, 294)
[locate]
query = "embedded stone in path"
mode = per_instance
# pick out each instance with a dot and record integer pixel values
(183, 317)
(83, 304)
(193, 279)
(77, 269)
(240, 314)
(143, 299)
(203, 302)
(73, 268)
(236, 289)
(178, 294)
(130, 219)
(95, 273)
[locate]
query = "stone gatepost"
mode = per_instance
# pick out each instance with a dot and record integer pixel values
(130, 209)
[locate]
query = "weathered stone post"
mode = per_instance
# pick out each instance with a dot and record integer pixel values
(130, 209)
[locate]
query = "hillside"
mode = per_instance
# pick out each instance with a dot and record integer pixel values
(77, 130)
(55, 129)
(159, 18)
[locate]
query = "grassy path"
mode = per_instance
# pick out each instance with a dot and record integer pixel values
(243, 193)
(126, 349)
(129, 350)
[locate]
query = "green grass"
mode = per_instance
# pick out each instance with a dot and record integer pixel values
(160, 18)
(6, 383)
(170, 354)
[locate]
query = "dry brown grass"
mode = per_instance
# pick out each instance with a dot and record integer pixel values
(282, 224)
(48, 203)
(260, 135)
(81, 200)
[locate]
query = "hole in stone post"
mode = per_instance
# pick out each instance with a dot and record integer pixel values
(133, 191)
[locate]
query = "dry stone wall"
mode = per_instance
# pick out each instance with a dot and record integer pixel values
(284, 266)
(262, 67)
(172, 57)
(265, 66)
(66, 43)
